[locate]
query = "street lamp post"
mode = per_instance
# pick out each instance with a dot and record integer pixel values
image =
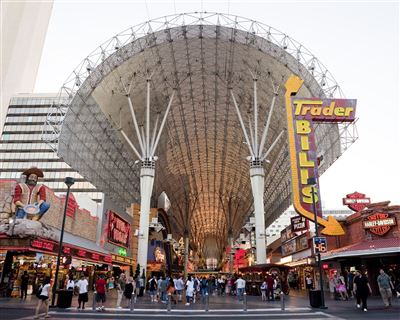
(69, 182)
(312, 182)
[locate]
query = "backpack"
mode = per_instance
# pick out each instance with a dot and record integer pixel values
(39, 292)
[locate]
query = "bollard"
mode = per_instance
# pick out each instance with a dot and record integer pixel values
(244, 301)
(206, 306)
(132, 304)
(282, 301)
(94, 301)
(169, 302)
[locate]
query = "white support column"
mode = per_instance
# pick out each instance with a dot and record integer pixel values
(146, 188)
(257, 186)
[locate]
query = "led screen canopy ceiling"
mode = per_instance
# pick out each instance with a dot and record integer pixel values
(202, 153)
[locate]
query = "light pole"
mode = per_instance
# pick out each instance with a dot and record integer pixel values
(312, 182)
(69, 182)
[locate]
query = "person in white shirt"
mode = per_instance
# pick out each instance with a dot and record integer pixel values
(43, 298)
(240, 286)
(179, 286)
(189, 290)
(82, 284)
(70, 284)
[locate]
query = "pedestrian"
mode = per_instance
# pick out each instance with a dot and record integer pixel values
(43, 295)
(240, 287)
(341, 287)
(171, 290)
(120, 289)
(163, 290)
(189, 290)
(82, 284)
(271, 284)
(101, 285)
(385, 285)
(179, 286)
(309, 282)
(110, 283)
(153, 289)
(263, 289)
(70, 283)
(350, 281)
(141, 286)
(130, 287)
(24, 285)
(361, 289)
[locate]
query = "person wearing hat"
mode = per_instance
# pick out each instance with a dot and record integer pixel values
(30, 193)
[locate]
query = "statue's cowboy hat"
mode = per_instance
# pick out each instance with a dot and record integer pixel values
(33, 170)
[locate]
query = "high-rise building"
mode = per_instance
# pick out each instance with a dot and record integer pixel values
(24, 27)
(21, 146)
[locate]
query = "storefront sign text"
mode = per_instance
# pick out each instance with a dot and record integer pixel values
(356, 201)
(379, 223)
(299, 223)
(302, 114)
(118, 230)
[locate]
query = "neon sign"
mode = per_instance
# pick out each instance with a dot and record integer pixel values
(301, 114)
(119, 230)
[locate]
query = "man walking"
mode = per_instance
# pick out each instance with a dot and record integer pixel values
(120, 289)
(385, 288)
(24, 285)
(101, 293)
(240, 286)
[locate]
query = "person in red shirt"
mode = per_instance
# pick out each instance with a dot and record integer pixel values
(30, 193)
(101, 284)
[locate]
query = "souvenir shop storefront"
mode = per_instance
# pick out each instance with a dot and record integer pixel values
(39, 257)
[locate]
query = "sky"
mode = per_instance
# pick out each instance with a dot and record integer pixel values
(358, 41)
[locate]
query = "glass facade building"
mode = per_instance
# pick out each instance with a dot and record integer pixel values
(21, 146)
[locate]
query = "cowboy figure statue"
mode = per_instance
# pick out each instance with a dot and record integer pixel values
(30, 197)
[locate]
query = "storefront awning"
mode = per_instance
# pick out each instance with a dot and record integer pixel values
(365, 248)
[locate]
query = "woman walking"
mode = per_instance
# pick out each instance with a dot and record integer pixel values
(129, 289)
(43, 298)
(361, 289)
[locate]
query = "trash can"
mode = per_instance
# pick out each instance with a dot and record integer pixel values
(315, 298)
(64, 298)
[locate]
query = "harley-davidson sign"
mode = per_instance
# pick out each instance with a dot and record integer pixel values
(356, 201)
(379, 223)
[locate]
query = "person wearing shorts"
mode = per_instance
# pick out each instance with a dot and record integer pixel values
(82, 284)
(101, 284)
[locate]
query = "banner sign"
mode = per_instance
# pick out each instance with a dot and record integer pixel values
(299, 223)
(302, 113)
(119, 230)
(379, 223)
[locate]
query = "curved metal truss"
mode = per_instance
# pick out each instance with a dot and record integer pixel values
(202, 155)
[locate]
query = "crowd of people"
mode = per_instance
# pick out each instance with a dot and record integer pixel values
(179, 290)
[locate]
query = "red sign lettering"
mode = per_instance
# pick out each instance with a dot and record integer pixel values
(119, 230)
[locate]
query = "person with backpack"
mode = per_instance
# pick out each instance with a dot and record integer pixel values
(43, 296)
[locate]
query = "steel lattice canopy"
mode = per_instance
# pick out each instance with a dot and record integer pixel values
(202, 156)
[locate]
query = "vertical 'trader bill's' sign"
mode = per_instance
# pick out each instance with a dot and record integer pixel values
(301, 114)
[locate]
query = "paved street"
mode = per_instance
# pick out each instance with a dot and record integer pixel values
(296, 307)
